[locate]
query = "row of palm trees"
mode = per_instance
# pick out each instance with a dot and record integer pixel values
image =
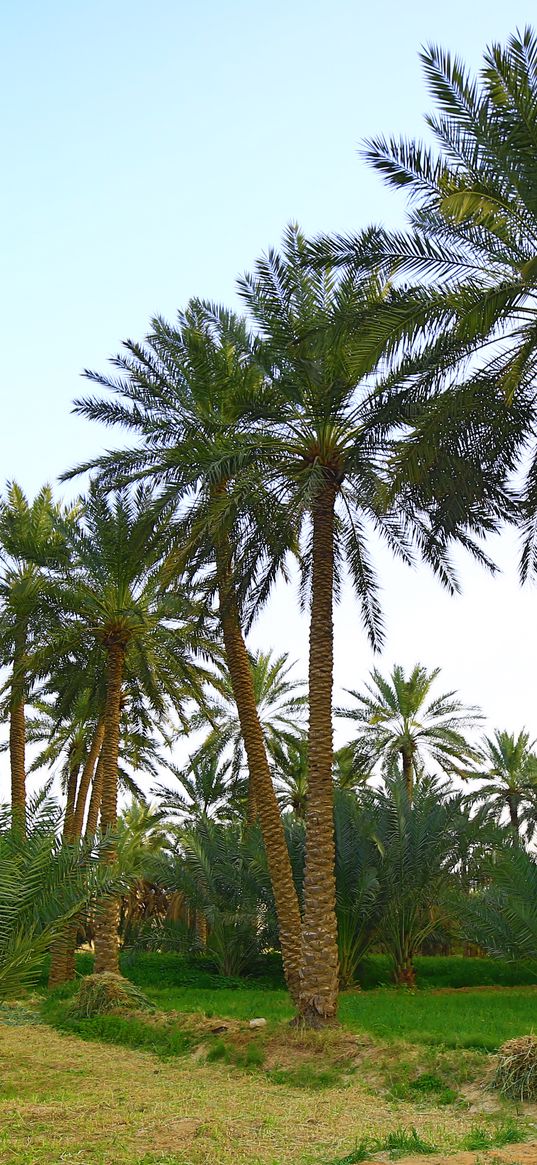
(381, 384)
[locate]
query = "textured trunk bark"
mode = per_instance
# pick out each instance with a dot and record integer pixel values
(252, 803)
(107, 919)
(513, 814)
(95, 800)
(404, 974)
(408, 773)
(61, 963)
(86, 779)
(319, 966)
(17, 740)
(268, 812)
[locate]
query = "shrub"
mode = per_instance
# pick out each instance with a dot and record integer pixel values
(101, 994)
(516, 1069)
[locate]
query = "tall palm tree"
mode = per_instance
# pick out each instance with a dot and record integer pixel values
(398, 721)
(509, 777)
(119, 596)
(189, 393)
(324, 450)
(32, 547)
(471, 242)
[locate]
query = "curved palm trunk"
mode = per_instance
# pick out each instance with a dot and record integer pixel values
(95, 800)
(319, 967)
(86, 778)
(107, 919)
(267, 808)
(17, 740)
(61, 965)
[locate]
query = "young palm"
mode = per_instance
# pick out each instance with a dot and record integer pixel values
(189, 392)
(205, 787)
(510, 777)
(280, 702)
(119, 597)
(32, 547)
(399, 723)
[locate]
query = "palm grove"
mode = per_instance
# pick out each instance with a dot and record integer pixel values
(377, 385)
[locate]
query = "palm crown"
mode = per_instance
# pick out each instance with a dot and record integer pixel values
(399, 722)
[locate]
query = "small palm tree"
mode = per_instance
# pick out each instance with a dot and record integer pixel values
(510, 777)
(32, 548)
(398, 722)
(419, 845)
(502, 917)
(205, 786)
(280, 701)
(44, 885)
(119, 597)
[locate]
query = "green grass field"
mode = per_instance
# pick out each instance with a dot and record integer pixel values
(403, 1074)
(471, 1018)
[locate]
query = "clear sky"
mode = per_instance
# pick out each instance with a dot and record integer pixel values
(151, 152)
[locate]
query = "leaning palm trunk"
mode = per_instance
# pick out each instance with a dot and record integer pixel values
(86, 778)
(61, 965)
(17, 743)
(266, 804)
(95, 799)
(107, 921)
(319, 967)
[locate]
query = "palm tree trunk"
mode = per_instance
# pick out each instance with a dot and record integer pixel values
(86, 778)
(61, 965)
(512, 802)
(72, 782)
(319, 967)
(268, 812)
(95, 799)
(252, 804)
(17, 740)
(107, 919)
(408, 772)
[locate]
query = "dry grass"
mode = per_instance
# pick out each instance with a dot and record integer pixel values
(63, 1100)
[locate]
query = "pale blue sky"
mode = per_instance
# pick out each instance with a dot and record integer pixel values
(151, 151)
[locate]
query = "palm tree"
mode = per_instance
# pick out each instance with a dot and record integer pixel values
(324, 451)
(502, 917)
(471, 242)
(32, 547)
(119, 597)
(205, 789)
(280, 702)
(419, 844)
(189, 392)
(44, 885)
(399, 722)
(510, 776)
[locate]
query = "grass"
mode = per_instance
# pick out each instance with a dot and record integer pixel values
(436, 972)
(66, 1100)
(482, 1137)
(482, 1019)
(391, 1081)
